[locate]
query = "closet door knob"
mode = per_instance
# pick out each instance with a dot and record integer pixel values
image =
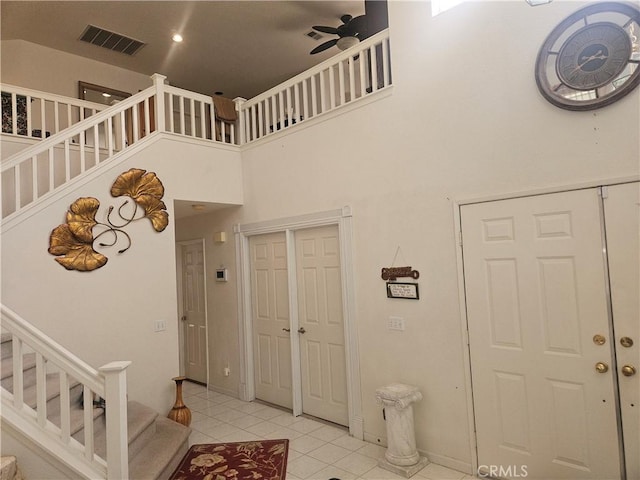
(602, 367)
(628, 370)
(301, 330)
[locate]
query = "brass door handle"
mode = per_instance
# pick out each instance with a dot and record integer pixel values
(628, 370)
(602, 367)
(286, 329)
(301, 330)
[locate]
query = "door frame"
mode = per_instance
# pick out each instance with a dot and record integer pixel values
(242, 232)
(457, 204)
(179, 282)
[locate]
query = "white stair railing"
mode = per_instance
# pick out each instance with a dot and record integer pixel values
(341, 80)
(36, 172)
(51, 359)
(34, 114)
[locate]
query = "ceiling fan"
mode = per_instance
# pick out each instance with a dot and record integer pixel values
(352, 30)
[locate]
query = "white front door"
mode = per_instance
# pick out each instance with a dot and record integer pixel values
(536, 297)
(622, 220)
(321, 332)
(271, 322)
(194, 317)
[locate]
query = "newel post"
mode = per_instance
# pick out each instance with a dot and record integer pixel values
(158, 82)
(115, 386)
(239, 101)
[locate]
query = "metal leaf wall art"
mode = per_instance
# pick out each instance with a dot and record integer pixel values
(73, 242)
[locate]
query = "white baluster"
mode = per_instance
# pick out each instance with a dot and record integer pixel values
(51, 162)
(56, 119)
(65, 408)
(87, 402)
(67, 161)
(385, 62)
(41, 389)
(116, 417)
(341, 83)
(374, 69)
(18, 379)
(34, 178)
(29, 117)
(352, 79)
(192, 111)
(305, 99)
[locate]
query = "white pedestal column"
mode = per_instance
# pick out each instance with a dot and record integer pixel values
(401, 456)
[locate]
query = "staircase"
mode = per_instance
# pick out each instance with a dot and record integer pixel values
(155, 444)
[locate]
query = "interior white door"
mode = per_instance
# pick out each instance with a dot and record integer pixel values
(622, 219)
(320, 318)
(271, 320)
(535, 291)
(194, 318)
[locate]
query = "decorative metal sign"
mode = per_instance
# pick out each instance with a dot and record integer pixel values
(391, 273)
(403, 290)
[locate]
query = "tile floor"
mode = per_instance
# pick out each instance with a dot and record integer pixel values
(317, 451)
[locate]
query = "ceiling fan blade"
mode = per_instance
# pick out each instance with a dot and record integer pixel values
(358, 26)
(331, 30)
(323, 46)
(345, 18)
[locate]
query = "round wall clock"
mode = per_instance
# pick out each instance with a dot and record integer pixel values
(592, 58)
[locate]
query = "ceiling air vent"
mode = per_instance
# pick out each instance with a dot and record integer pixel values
(315, 35)
(111, 40)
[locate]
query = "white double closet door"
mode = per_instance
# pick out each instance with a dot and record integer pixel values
(298, 323)
(552, 290)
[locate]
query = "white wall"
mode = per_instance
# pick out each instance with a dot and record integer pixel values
(464, 120)
(109, 314)
(29, 65)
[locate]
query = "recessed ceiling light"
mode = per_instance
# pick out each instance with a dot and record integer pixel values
(198, 207)
(177, 38)
(105, 94)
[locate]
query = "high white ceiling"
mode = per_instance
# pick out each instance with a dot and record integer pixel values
(240, 48)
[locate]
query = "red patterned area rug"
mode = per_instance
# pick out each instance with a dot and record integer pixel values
(264, 460)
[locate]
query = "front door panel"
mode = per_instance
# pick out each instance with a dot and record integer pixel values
(535, 290)
(622, 218)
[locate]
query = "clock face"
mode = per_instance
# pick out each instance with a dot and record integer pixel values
(592, 58)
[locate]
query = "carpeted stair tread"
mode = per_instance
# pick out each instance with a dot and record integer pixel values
(29, 394)
(6, 345)
(162, 454)
(141, 428)
(28, 371)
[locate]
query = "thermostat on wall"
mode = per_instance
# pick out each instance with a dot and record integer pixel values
(221, 275)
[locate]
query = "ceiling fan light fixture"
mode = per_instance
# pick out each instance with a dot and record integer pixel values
(347, 42)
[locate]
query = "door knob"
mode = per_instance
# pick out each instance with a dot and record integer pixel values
(602, 367)
(599, 339)
(183, 318)
(626, 342)
(628, 370)
(286, 329)
(301, 330)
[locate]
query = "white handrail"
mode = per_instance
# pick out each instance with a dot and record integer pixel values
(108, 383)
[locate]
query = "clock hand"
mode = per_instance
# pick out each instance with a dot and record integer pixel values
(597, 56)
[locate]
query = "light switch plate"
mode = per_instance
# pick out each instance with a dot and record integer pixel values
(395, 323)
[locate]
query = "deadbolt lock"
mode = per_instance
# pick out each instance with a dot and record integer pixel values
(602, 367)
(599, 339)
(626, 342)
(628, 370)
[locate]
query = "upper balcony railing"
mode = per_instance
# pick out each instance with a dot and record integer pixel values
(341, 80)
(88, 137)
